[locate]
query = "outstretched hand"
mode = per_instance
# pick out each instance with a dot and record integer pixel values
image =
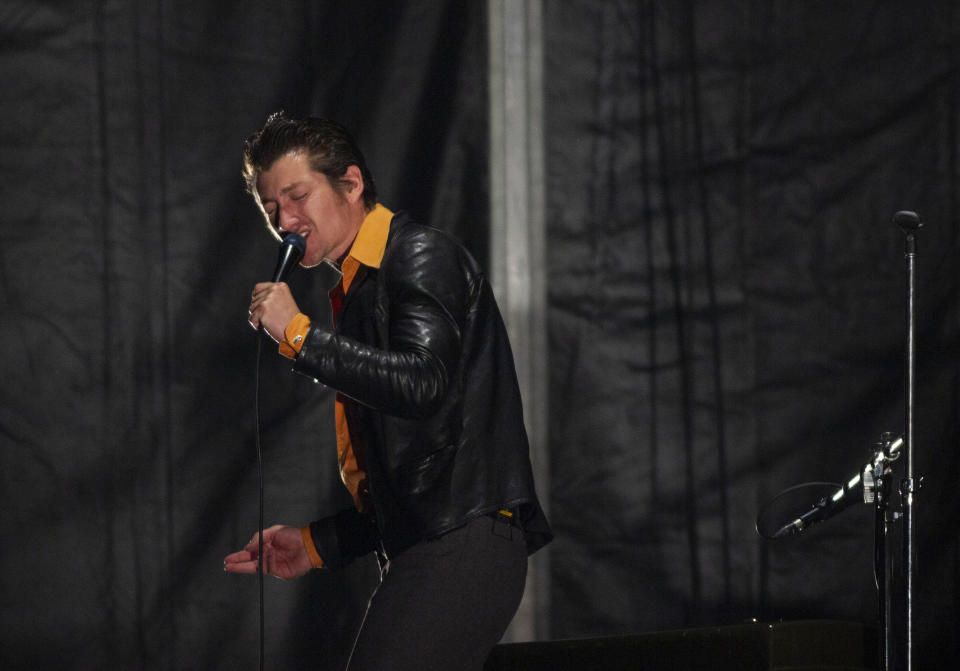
(284, 554)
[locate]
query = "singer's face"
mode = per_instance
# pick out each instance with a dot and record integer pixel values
(299, 200)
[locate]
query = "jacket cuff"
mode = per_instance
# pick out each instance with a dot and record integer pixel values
(341, 538)
(314, 360)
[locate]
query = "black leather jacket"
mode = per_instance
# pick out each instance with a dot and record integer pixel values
(421, 352)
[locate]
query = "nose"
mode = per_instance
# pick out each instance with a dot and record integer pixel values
(286, 220)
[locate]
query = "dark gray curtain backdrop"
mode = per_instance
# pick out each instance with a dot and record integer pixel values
(726, 306)
(727, 303)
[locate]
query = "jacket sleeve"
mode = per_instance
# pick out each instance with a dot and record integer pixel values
(341, 538)
(427, 298)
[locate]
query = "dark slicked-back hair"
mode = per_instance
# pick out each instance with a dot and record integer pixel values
(330, 148)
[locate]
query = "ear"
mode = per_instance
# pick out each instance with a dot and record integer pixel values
(353, 182)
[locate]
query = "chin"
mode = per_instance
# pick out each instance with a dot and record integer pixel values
(311, 260)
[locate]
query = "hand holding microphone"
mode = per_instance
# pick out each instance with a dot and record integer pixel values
(272, 305)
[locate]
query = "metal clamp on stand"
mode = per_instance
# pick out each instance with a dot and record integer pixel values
(877, 476)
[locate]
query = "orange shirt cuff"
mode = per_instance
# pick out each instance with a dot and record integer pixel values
(315, 560)
(294, 335)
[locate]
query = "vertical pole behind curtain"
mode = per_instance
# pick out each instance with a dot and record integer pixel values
(517, 247)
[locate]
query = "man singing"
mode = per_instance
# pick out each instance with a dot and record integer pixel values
(430, 434)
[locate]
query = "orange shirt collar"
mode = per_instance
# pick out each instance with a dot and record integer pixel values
(369, 245)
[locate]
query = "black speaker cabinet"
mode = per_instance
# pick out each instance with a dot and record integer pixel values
(783, 646)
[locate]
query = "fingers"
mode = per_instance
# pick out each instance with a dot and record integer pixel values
(260, 293)
(263, 293)
(240, 562)
(245, 560)
(243, 567)
(264, 290)
(242, 555)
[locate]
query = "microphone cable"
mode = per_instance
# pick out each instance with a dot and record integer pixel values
(256, 431)
(292, 248)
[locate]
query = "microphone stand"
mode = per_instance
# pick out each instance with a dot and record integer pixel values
(909, 223)
(877, 476)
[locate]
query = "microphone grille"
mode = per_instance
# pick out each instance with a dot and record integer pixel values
(296, 241)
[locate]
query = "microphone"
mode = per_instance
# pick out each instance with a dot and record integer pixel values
(845, 496)
(291, 251)
(823, 509)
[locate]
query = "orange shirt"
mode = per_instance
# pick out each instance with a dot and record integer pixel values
(367, 250)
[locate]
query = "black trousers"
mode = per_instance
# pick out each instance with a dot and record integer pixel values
(443, 604)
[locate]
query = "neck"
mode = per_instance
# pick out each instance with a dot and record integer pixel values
(355, 224)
